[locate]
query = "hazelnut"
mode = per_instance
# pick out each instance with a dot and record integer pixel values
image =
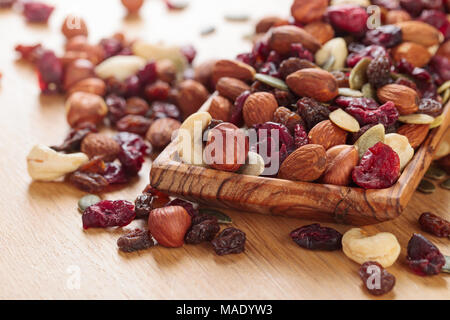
(90, 85)
(166, 70)
(133, 6)
(160, 132)
(231, 88)
(220, 108)
(74, 26)
(191, 96)
(203, 73)
(168, 225)
(100, 145)
(320, 30)
(305, 11)
(94, 53)
(136, 105)
(78, 70)
(85, 107)
(266, 23)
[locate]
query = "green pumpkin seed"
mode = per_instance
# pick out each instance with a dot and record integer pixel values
(370, 138)
(347, 92)
(426, 186)
(437, 121)
(221, 217)
(358, 75)
(416, 118)
(435, 173)
(368, 91)
(271, 81)
(446, 96)
(86, 201)
(444, 86)
(446, 184)
(446, 267)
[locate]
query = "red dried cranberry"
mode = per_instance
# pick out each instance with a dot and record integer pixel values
(230, 240)
(132, 160)
(158, 90)
(261, 51)
(133, 123)
(189, 52)
(312, 112)
(72, 142)
(437, 19)
(376, 279)
(130, 140)
(435, 225)
(315, 237)
(108, 213)
(111, 46)
(300, 136)
(270, 69)
(204, 228)
(132, 86)
(362, 103)
(37, 11)
(30, 53)
(358, 52)
(164, 110)
(114, 173)
(348, 18)
(247, 58)
(185, 204)
(441, 66)
(387, 114)
(147, 74)
(379, 71)
(379, 168)
(297, 50)
(135, 240)
(116, 107)
(50, 72)
(236, 113)
(387, 36)
(430, 107)
(424, 258)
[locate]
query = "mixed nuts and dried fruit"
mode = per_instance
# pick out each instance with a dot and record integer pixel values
(322, 97)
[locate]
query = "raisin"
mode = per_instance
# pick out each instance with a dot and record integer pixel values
(204, 228)
(387, 36)
(158, 90)
(424, 258)
(437, 19)
(236, 112)
(379, 168)
(270, 69)
(406, 82)
(284, 135)
(148, 74)
(116, 107)
(312, 112)
(284, 98)
(137, 106)
(143, 205)
(293, 64)
(50, 72)
(115, 87)
(134, 123)
(160, 199)
(342, 78)
(37, 11)
(135, 240)
(348, 18)
(72, 143)
(164, 110)
(108, 213)
(230, 240)
(376, 279)
(185, 204)
(435, 225)
(430, 107)
(379, 71)
(387, 114)
(131, 159)
(315, 237)
(89, 182)
(300, 136)
(288, 118)
(115, 174)
(130, 140)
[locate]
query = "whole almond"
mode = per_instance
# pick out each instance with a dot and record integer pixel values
(305, 11)
(220, 108)
(259, 108)
(231, 88)
(190, 97)
(306, 163)
(160, 132)
(281, 38)
(405, 99)
(416, 133)
(100, 145)
(90, 85)
(233, 69)
(327, 134)
(396, 16)
(266, 23)
(314, 83)
(340, 163)
(420, 32)
(414, 53)
(321, 31)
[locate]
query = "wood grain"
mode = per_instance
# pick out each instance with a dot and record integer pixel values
(42, 241)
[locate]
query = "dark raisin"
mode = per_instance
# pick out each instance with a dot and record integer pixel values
(430, 107)
(135, 240)
(230, 240)
(94, 165)
(185, 204)
(293, 64)
(116, 107)
(143, 205)
(424, 258)
(288, 118)
(111, 46)
(160, 199)
(312, 112)
(158, 90)
(129, 140)
(204, 228)
(114, 86)
(72, 142)
(300, 136)
(136, 105)
(89, 182)
(258, 86)
(236, 112)
(376, 279)
(379, 71)
(164, 110)
(283, 97)
(264, 131)
(435, 225)
(387, 36)
(315, 237)
(131, 159)
(134, 123)
(108, 213)
(148, 74)
(341, 78)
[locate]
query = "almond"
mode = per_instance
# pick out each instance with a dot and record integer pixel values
(161, 130)
(405, 99)
(396, 16)
(281, 38)
(266, 23)
(231, 88)
(420, 32)
(306, 163)
(416, 133)
(100, 145)
(233, 69)
(90, 85)
(259, 108)
(306, 11)
(444, 50)
(203, 73)
(414, 53)
(315, 83)
(220, 108)
(327, 134)
(321, 31)
(190, 97)
(341, 160)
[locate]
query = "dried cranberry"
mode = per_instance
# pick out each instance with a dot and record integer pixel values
(50, 72)
(204, 228)
(132, 86)
(135, 240)
(236, 113)
(30, 53)
(387, 114)
(158, 90)
(130, 140)
(185, 204)
(300, 136)
(116, 107)
(247, 58)
(424, 258)
(111, 46)
(284, 135)
(406, 82)
(143, 205)
(37, 11)
(362, 103)
(376, 279)
(164, 110)
(230, 240)
(430, 107)
(379, 71)
(379, 168)
(89, 182)
(315, 237)
(73, 140)
(414, 7)
(435, 225)
(441, 66)
(133, 123)
(115, 173)
(312, 112)
(358, 52)
(147, 74)
(297, 50)
(132, 160)
(387, 36)
(108, 213)
(348, 18)
(438, 20)
(270, 69)
(189, 52)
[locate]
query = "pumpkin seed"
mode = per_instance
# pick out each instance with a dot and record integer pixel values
(437, 121)
(271, 81)
(221, 217)
(446, 184)
(368, 91)
(426, 186)
(444, 86)
(332, 55)
(358, 75)
(416, 118)
(401, 146)
(446, 267)
(344, 121)
(207, 30)
(86, 201)
(435, 173)
(370, 138)
(446, 96)
(347, 92)
(236, 16)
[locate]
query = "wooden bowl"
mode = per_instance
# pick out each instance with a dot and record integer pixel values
(313, 201)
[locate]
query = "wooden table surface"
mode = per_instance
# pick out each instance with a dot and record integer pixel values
(43, 248)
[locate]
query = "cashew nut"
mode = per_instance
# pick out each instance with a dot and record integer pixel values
(382, 247)
(190, 138)
(254, 165)
(46, 164)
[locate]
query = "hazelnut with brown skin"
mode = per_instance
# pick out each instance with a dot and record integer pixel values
(169, 225)
(85, 107)
(74, 26)
(191, 96)
(100, 145)
(160, 132)
(78, 70)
